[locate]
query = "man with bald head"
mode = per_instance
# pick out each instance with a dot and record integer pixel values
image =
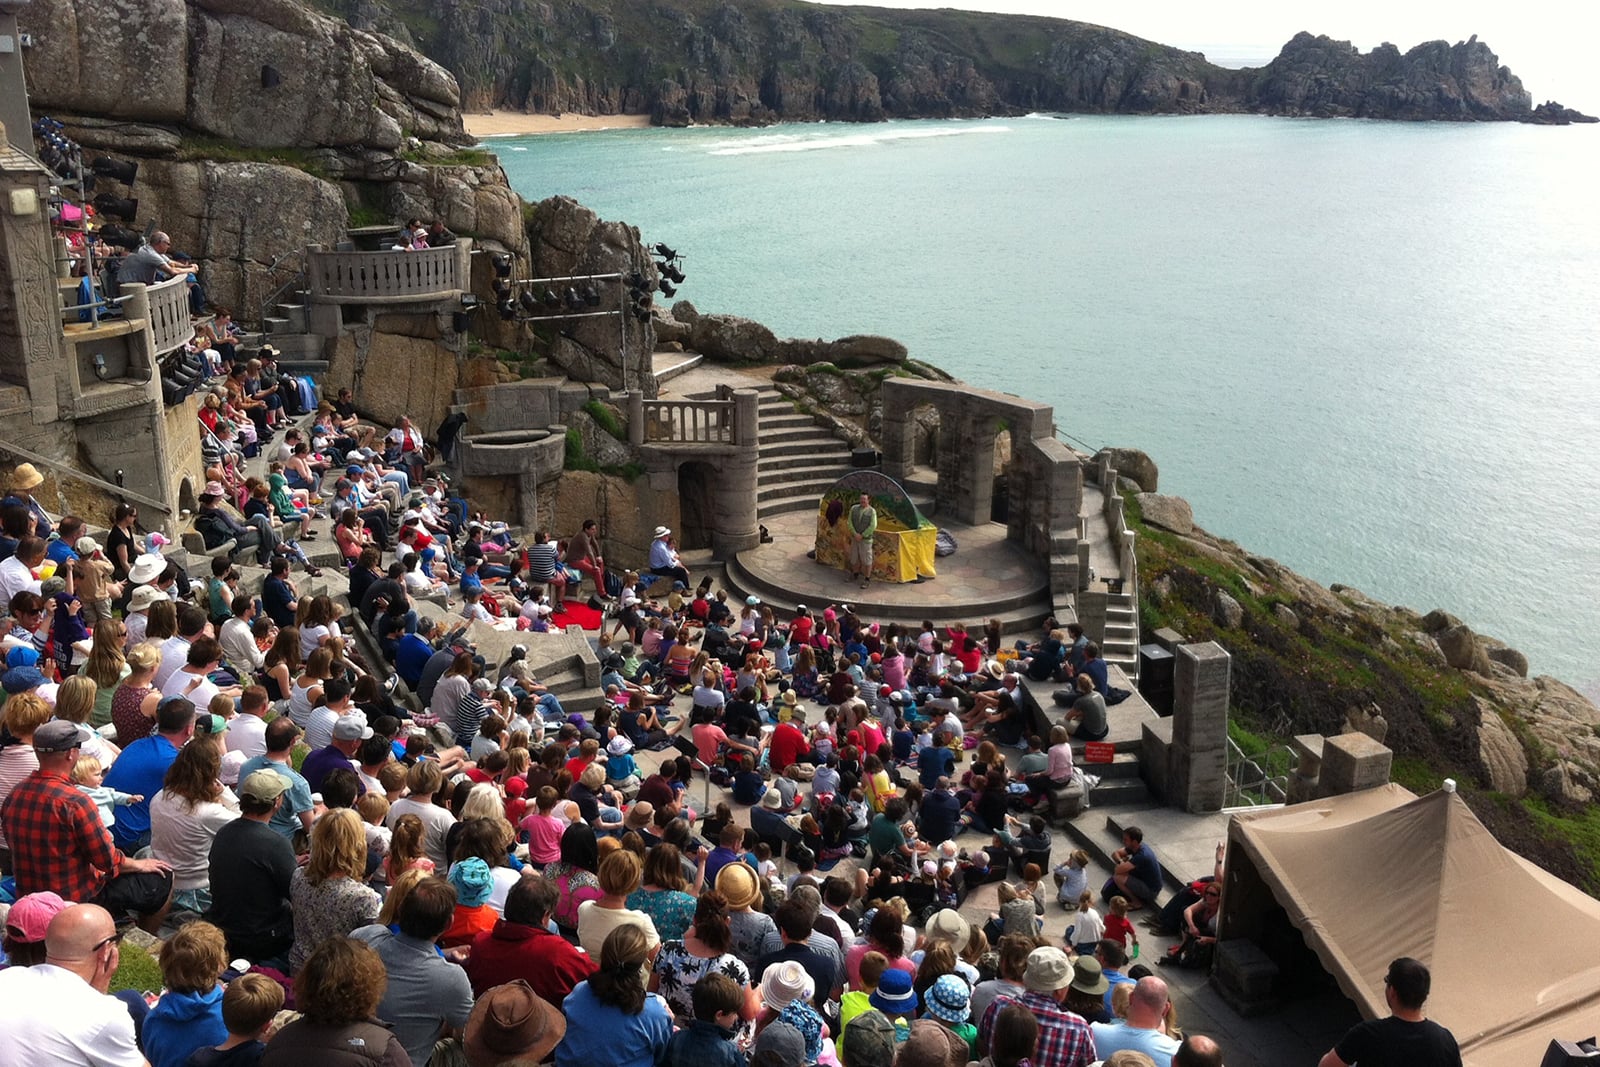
(1141, 1031)
(57, 1013)
(1197, 1050)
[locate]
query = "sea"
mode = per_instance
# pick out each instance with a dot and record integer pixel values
(1370, 350)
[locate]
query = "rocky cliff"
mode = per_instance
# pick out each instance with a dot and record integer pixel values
(759, 61)
(261, 126)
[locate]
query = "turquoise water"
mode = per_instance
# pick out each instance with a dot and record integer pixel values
(1369, 350)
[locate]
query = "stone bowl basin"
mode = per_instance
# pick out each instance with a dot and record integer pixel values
(536, 451)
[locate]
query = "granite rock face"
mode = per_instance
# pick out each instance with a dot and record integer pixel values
(1134, 464)
(1168, 512)
(1323, 78)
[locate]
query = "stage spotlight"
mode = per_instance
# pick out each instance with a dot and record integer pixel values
(121, 237)
(672, 274)
(666, 288)
(116, 169)
(502, 266)
(643, 300)
(591, 296)
(121, 207)
(574, 301)
(460, 321)
(529, 304)
(636, 280)
(508, 310)
(501, 287)
(642, 314)
(551, 300)
(665, 252)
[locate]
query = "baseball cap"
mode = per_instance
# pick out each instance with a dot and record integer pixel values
(351, 728)
(30, 917)
(57, 735)
(210, 725)
(263, 785)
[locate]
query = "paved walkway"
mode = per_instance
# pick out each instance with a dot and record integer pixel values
(1103, 558)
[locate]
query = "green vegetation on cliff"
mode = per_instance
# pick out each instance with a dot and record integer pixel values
(1305, 656)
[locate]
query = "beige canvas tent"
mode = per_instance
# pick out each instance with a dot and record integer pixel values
(1367, 877)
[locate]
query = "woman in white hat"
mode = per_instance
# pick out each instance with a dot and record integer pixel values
(139, 609)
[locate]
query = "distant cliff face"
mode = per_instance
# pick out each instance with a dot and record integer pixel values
(758, 61)
(1320, 77)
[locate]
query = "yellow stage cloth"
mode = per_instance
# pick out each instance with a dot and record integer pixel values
(898, 554)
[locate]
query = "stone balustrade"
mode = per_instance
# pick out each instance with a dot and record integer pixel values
(701, 422)
(167, 308)
(387, 277)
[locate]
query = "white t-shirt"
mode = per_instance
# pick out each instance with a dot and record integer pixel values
(14, 578)
(53, 1018)
(596, 923)
(200, 695)
(182, 835)
(436, 822)
(174, 656)
(319, 728)
(248, 734)
(311, 638)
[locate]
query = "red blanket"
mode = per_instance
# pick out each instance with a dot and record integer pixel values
(576, 613)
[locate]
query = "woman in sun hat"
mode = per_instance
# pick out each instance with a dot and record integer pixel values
(786, 992)
(24, 480)
(512, 1023)
(740, 886)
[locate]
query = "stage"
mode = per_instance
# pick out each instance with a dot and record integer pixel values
(988, 576)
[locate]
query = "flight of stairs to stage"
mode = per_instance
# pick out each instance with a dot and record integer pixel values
(798, 459)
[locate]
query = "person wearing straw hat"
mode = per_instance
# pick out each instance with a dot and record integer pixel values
(740, 886)
(1064, 1038)
(512, 1022)
(24, 480)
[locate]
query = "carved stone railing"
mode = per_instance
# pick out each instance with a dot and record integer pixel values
(389, 277)
(691, 422)
(168, 311)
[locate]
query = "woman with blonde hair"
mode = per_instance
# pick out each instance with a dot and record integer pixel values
(399, 889)
(134, 702)
(106, 666)
(329, 895)
(620, 874)
(185, 816)
(76, 700)
(23, 714)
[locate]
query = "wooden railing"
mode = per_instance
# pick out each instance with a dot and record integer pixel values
(169, 314)
(384, 277)
(688, 422)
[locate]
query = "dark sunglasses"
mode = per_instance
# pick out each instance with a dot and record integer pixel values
(114, 939)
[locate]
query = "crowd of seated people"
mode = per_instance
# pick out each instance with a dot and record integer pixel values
(467, 859)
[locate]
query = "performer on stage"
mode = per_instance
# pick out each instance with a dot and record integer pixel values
(863, 527)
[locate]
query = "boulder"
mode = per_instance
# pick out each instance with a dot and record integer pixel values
(1505, 764)
(1438, 619)
(1509, 657)
(671, 330)
(1168, 512)
(1462, 650)
(685, 312)
(1564, 783)
(1132, 463)
(1161, 588)
(867, 349)
(1228, 612)
(1286, 615)
(1368, 720)
(732, 339)
(1427, 646)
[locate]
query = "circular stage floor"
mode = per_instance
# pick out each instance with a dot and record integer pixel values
(987, 576)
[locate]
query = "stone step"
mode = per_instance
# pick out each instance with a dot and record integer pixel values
(295, 314)
(780, 474)
(804, 498)
(777, 420)
(816, 484)
(273, 324)
(807, 432)
(297, 345)
(314, 368)
(819, 447)
(1100, 836)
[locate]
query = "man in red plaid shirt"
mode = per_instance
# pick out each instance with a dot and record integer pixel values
(1064, 1038)
(59, 844)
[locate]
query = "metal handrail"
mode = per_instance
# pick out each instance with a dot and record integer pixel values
(298, 279)
(1251, 782)
(73, 472)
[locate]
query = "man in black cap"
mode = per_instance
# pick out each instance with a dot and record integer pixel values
(251, 867)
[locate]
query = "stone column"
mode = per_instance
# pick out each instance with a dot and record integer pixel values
(733, 505)
(635, 418)
(1303, 780)
(1199, 765)
(746, 406)
(897, 429)
(1351, 762)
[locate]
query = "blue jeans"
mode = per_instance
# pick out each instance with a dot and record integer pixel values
(550, 708)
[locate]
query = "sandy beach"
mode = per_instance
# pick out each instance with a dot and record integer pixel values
(500, 123)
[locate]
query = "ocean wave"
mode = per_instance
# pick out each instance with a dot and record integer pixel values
(790, 142)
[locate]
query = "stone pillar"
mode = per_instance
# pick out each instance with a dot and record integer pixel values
(733, 505)
(635, 418)
(1304, 778)
(1352, 762)
(14, 115)
(746, 405)
(31, 345)
(951, 495)
(1199, 766)
(528, 500)
(897, 430)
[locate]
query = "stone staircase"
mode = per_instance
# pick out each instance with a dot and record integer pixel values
(1121, 643)
(798, 459)
(287, 329)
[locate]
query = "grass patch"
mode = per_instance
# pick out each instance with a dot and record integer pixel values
(1580, 828)
(197, 149)
(606, 419)
(136, 970)
(460, 157)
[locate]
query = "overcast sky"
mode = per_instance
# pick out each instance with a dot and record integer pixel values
(1548, 44)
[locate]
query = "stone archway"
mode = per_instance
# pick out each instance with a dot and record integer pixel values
(1002, 445)
(186, 497)
(696, 508)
